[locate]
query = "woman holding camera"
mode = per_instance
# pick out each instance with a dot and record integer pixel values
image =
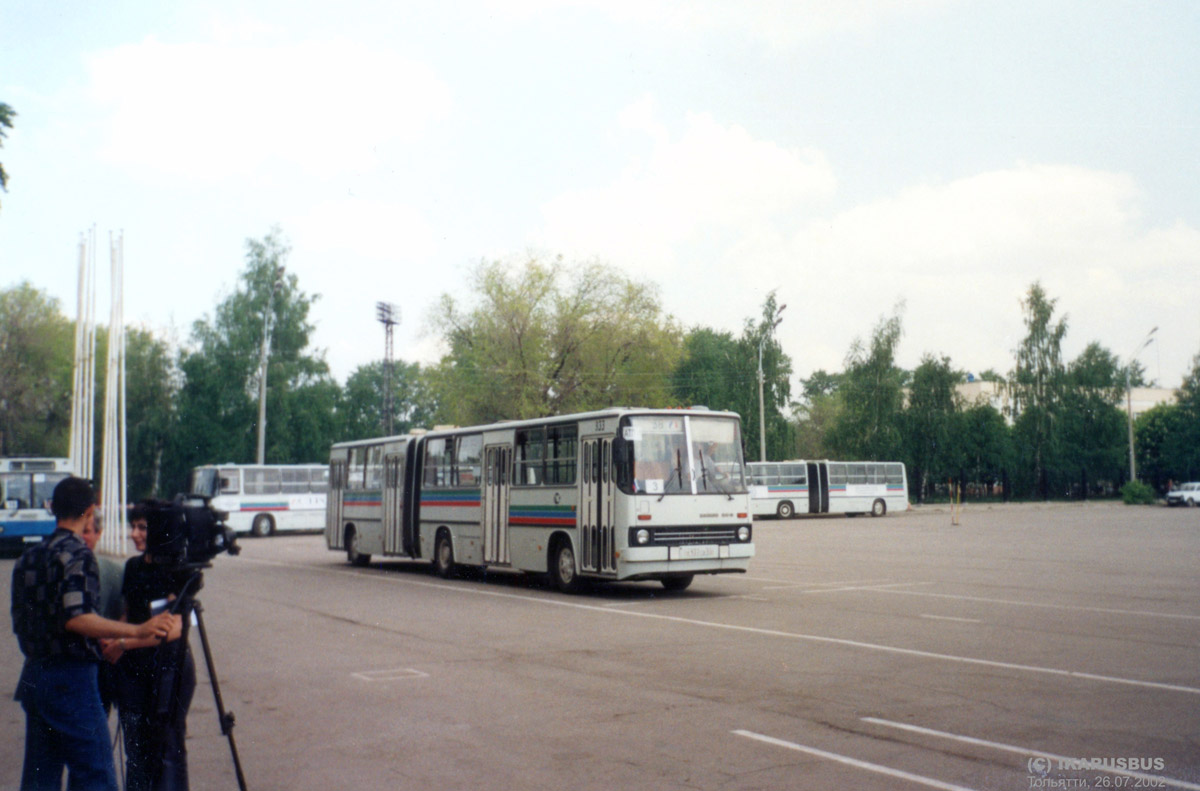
(155, 682)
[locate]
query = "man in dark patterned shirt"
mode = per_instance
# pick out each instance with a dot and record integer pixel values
(55, 589)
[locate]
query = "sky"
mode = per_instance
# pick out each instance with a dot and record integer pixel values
(858, 157)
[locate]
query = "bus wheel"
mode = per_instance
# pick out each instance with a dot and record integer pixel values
(443, 556)
(678, 583)
(353, 555)
(562, 567)
(262, 526)
(785, 510)
(878, 508)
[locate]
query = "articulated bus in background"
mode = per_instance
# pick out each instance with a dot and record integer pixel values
(26, 487)
(620, 494)
(787, 488)
(264, 498)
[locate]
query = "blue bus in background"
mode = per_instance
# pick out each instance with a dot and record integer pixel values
(26, 486)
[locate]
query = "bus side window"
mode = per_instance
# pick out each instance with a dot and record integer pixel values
(231, 482)
(467, 460)
(437, 462)
(375, 468)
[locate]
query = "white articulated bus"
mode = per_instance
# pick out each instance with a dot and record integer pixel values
(619, 494)
(264, 498)
(26, 486)
(787, 488)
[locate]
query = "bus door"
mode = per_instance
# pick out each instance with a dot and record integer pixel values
(410, 483)
(818, 487)
(597, 547)
(393, 505)
(334, 524)
(497, 473)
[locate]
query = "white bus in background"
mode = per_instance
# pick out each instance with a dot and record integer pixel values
(26, 487)
(618, 494)
(264, 498)
(787, 488)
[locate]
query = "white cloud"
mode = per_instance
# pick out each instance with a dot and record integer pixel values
(711, 179)
(365, 229)
(214, 110)
(719, 219)
(962, 254)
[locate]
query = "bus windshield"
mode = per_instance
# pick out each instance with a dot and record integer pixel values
(204, 482)
(683, 454)
(20, 490)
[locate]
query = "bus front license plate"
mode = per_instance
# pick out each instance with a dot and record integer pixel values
(693, 552)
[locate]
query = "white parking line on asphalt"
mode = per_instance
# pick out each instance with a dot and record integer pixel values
(855, 762)
(950, 618)
(883, 586)
(1145, 780)
(398, 674)
(749, 578)
(1105, 610)
(366, 574)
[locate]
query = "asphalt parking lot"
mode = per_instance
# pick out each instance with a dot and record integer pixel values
(1030, 646)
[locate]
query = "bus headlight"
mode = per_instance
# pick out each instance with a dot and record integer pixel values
(643, 536)
(743, 533)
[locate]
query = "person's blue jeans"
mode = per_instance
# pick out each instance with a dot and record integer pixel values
(65, 727)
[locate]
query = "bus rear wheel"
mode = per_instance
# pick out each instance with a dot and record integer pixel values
(262, 526)
(356, 557)
(785, 510)
(878, 508)
(562, 567)
(443, 556)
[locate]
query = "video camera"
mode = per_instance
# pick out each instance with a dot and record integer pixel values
(187, 531)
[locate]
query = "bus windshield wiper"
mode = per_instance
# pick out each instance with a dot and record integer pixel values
(716, 481)
(678, 473)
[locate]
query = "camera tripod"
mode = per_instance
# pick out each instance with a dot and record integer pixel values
(187, 605)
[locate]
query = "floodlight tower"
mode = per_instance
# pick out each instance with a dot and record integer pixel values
(389, 316)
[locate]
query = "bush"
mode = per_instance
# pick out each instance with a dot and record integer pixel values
(1138, 493)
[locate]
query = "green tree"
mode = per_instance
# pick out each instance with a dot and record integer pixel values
(36, 371)
(1036, 385)
(929, 424)
(713, 371)
(7, 113)
(721, 372)
(814, 419)
(151, 385)
(364, 394)
(1092, 429)
(871, 395)
(1183, 447)
(1156, 431)
(815, 415)
(820, 383)
(547, 338)
(777, 388)
(218, 401)
(985, 446)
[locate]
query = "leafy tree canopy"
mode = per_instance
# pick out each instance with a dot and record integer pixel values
(7, 113)
(546, 338)
(871, 396)
(218, 403)
(37, 352)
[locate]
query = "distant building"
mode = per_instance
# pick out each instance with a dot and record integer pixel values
(996, 394)
(1146, 398)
